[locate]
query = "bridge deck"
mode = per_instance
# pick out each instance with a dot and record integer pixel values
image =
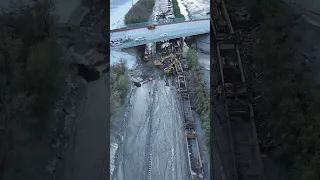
(143, 31)
(177, 30)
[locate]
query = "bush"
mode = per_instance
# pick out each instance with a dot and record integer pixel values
(30, 60)
(289, 110)
(119, 81)
(199, 93)
(193, 58)
(176, 9)
(140, 12)
(44, 74)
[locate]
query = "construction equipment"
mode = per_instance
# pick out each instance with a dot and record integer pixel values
(173, 63)
(169, 68)
(165, 45)
(160, 63)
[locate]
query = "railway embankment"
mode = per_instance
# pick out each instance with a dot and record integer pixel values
(284, 94)
(199, 92)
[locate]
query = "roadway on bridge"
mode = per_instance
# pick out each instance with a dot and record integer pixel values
(174, 31)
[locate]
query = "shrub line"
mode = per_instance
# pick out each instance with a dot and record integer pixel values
(140, 12)
(199, 93)
(176, 9)
(119, 86)
(288, 107)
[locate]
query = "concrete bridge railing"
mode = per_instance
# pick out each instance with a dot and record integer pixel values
(143, 24)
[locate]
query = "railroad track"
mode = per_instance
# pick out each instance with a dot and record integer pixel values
(244, 160)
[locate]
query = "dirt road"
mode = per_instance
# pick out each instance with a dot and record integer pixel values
(153, 142)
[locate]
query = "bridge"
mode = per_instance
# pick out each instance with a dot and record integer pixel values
(173, 29)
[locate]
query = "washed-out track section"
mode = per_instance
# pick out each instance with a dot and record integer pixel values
(244, 160)
(194, 157)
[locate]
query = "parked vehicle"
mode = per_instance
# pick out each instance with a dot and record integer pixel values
(126, 39)
(164, 35)
(152, 27)
(140, 39)
(117, 43)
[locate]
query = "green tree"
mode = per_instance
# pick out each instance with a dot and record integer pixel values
(119, 81)
(199, 93)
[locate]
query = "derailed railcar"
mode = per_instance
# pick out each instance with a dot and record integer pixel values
(196, 168)
(238, 110)
(194, 157)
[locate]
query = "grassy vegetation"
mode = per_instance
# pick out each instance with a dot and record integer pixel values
(199, 93)
(31, 73)
(119, 81)
(289, 99)
(140, 12)
(176, 9)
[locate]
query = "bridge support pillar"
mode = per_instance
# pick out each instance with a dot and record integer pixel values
(153, 49)
(181, 42)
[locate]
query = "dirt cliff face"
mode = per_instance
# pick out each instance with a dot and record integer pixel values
(81, 109)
